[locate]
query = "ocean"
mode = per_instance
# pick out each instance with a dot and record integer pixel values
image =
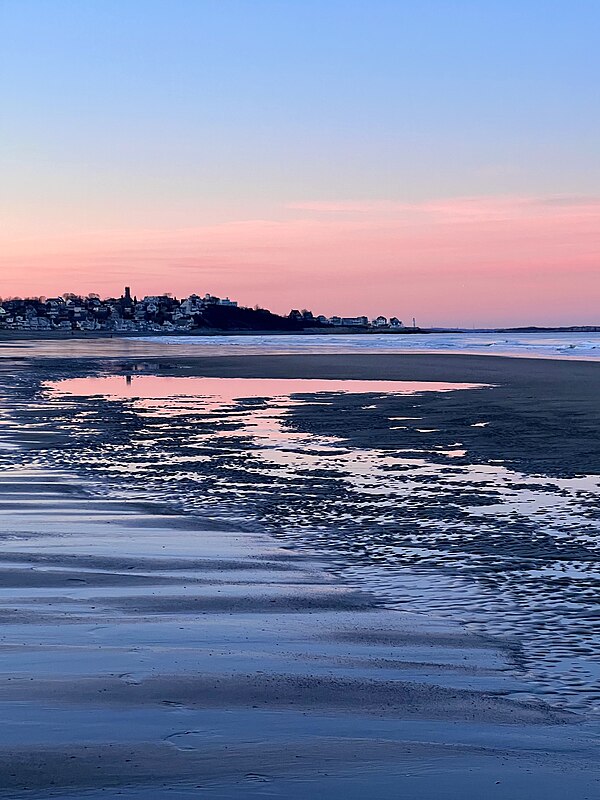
(573, 346)
(583, 345)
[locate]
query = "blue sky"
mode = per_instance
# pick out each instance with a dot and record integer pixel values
(137, 114)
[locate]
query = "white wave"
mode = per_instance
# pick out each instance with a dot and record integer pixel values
(580, 346)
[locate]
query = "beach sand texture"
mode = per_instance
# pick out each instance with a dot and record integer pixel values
(150, 654)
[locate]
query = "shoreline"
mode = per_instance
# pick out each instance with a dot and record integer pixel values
(155, 652)
(262, 343)
(10, 334)
(199, 332)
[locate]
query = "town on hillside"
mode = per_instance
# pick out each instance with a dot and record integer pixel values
(163, 314)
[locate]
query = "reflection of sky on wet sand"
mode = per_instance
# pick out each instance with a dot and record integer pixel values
(511, 554)
(225, 390)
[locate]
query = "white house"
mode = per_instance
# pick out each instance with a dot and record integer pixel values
(355, 321)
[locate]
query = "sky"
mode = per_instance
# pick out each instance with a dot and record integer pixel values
(435, 159)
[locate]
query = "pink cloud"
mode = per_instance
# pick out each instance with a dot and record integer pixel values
(474, 260)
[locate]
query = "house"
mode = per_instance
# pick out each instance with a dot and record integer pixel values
(88, 325)
(380, 322)
(395, 323)
(55, 306)
(351, 321)
(151, 304)
(39, 323)
(191, 305)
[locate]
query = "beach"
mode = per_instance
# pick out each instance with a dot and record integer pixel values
(299, 592)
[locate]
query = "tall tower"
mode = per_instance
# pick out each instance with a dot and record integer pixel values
(127, 294)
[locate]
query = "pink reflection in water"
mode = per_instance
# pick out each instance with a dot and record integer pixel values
(229, 389)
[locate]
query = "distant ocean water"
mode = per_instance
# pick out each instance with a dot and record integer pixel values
(541, 345)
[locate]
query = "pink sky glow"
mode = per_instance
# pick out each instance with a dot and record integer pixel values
(468, 261)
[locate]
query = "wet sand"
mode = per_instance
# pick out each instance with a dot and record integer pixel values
(546, 410)
(142, 653)
(147, 654)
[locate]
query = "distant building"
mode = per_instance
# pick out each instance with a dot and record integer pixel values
(154, 313)
(191, 305)
(350, 321)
